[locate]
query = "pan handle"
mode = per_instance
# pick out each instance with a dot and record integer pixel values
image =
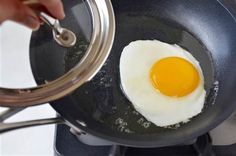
(5, 127)
(9, 112)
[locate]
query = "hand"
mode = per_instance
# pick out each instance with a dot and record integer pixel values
(17, 11)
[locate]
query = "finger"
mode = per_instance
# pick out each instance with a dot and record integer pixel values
(14, 10)
(55, 7)
(27, 17)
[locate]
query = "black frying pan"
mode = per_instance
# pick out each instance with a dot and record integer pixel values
(206, 28)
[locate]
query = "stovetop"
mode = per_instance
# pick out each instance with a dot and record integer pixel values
(67, 144)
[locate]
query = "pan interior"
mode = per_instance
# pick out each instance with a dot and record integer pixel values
(103, 99)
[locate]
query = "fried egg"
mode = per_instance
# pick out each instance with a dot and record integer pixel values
(164, 82)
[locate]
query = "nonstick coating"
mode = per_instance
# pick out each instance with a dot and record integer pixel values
(205, 28)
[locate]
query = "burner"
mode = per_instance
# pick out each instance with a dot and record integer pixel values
(67, 144)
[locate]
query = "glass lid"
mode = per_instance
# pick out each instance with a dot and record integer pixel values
(67, 67)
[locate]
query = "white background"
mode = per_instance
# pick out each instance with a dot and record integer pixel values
(15, 72)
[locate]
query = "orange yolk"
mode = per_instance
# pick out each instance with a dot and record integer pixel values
(174, 76)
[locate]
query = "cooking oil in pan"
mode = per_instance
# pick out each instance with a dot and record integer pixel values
(103, 98)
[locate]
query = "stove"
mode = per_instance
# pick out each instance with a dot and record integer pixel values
(67, 144)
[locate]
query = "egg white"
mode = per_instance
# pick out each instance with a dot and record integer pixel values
(135, 63)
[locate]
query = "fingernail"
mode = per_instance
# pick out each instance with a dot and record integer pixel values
(32, 22)
(63, 15)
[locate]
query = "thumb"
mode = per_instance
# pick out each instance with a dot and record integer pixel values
(16, 11)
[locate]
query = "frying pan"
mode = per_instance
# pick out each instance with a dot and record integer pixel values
(207, 29)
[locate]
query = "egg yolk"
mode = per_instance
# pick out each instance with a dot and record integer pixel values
(174, 76)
